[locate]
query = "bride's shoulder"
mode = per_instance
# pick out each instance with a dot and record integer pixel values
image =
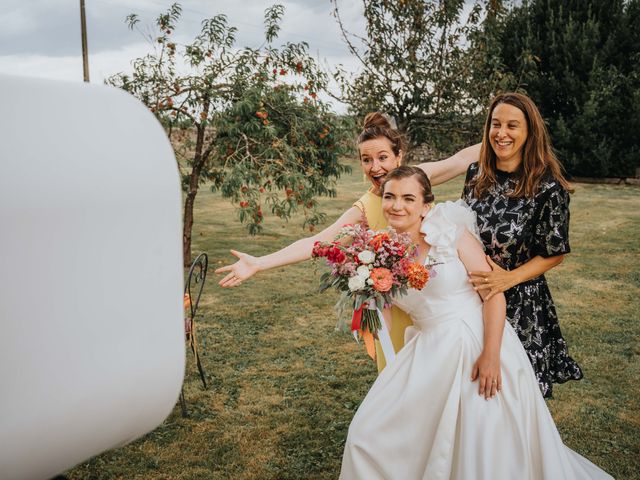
(444, 223)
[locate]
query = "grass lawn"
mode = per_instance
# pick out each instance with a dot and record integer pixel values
(284, 384)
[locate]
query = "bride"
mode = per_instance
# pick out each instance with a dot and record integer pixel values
(461, 400)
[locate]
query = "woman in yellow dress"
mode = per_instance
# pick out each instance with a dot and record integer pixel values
(380, 149)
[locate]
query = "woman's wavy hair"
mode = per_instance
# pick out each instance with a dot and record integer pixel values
(538, 157)
(408, 171)
(377, 125)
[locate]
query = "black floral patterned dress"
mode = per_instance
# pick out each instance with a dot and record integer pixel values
(513, 231)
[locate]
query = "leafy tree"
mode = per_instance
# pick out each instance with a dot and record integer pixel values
(487, 73)
(247, 120)
(417, 66)
(580, 61)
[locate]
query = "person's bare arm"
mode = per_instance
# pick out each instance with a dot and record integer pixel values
(494, 310)
(499, 280)
(444, 170)
(248, 265)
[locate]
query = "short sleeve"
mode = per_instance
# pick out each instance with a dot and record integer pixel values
(370, 206)
(444, 224)
(361, 203)
(472, 171)
(551, 235)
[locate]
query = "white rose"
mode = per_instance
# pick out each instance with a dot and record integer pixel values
(369, 281)
(356, 283)
(366, 256)
(363, 271)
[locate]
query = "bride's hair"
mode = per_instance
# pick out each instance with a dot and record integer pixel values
(377, 125)
(407, 171)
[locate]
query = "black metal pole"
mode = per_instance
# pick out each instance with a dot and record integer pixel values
(85, 52)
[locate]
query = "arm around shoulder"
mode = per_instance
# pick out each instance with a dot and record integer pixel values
(444, 170)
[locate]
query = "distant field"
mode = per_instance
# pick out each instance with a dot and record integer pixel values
(285, 384)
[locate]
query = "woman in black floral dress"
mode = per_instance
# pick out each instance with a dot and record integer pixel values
(521, 199)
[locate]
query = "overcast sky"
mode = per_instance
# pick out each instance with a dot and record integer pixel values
(42, 37)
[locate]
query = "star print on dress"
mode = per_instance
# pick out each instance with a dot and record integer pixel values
(513, 231)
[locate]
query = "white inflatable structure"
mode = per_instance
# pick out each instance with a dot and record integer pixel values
(91, 308)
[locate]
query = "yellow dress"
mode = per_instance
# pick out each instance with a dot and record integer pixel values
(371, 205)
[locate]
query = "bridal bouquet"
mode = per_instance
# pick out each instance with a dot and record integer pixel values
(368, 268)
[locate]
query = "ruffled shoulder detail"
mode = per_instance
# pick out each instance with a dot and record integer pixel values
(444, 223)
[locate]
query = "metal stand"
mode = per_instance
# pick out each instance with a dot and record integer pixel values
(194, 284)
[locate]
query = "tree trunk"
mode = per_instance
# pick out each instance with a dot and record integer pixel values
(190, 199)
(188, 224)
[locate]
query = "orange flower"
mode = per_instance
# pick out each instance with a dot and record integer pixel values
(377, 241)
(382, 279)
(418, 275)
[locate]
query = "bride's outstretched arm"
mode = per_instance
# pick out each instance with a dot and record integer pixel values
(248, 265)
(487, 366)
(444, 170)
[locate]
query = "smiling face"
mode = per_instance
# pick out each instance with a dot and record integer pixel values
(377, 159)
(403, 204)
(508, 134)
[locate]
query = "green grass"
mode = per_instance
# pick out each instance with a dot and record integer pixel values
(284, 384)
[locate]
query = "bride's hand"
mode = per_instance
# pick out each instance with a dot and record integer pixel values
(487, 370)
(496, 281)
(245, 267)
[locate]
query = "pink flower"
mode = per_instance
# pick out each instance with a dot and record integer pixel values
(399, 249)
(382, 279)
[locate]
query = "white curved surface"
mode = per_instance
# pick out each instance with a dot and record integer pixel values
(91, 333)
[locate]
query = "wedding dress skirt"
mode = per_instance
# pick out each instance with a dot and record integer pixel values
(423, 417)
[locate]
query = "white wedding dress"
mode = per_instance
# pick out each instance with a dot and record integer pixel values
(423, 417)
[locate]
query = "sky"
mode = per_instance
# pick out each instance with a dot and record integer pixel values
(41, 38)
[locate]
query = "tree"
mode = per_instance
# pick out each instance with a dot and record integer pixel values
(580, 61)
(247, 120)
(416, 66)
(487, 73)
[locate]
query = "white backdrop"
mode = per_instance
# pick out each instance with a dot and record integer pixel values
(91, 332)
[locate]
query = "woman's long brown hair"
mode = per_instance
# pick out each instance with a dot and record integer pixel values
(538, 158)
